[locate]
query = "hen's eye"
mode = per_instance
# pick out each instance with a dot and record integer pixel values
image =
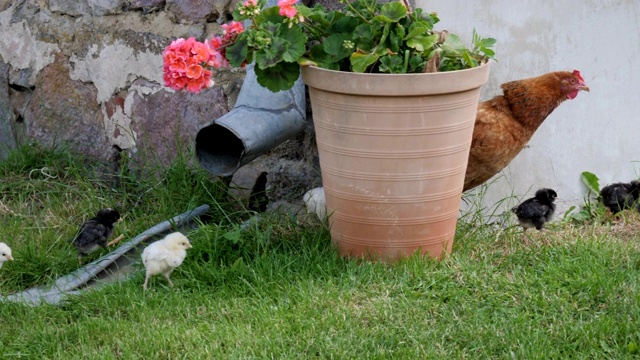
(573, 81)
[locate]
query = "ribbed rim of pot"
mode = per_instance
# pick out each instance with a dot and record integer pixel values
(396, 84)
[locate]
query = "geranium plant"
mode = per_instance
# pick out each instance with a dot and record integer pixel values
(364, 36)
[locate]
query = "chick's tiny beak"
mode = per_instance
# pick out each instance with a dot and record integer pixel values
(189, 246)
(9, 257)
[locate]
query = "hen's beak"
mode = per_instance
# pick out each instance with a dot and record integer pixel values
(584, 87)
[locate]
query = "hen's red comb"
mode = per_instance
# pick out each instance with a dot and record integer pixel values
(577, 73)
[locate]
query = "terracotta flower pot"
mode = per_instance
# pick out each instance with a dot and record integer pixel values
(393, 152)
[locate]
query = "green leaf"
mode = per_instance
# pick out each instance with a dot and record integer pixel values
(366, 45)
(270, 29)
(270, 14)
(296, 43)
(317, 53)
(237, 53)
(488, 42)
(452, 63)
(317, 16)
(400, 31)
(380, 51)
(271, 55)
(421, 42)
(430, 18)
(568, 212)
(488, 52)
(385, 33)
(364, 36)
(279, 77)
(334, 46)
(234, 236)
(324, 60)
(471, 62)
(416, 64)
(346, 24)
(364, 31)
(391, 12)
(416, 29)
(395, 38)
(420, 37)
(392, 64)
(330, 65)
(304, 10)
(591, 181)
(361, 61)
(454, 45)
(579, 216)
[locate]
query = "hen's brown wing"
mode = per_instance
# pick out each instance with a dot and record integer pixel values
(497, 139)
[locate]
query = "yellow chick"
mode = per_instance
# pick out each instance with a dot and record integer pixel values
(164, 256)
(5, 253)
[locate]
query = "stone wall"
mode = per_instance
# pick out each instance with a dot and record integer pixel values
(88, 73)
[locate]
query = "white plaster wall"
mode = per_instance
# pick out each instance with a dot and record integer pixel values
(598, 131)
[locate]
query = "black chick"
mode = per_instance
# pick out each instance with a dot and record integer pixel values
(536, 211)
(94, 232)
(619, 196)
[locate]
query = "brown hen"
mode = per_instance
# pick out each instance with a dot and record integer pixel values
(505, 123)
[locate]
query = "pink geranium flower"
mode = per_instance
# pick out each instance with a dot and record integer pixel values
(233, 28)
(194, 71)
(215, 42)
(200, 52)
(203, 81)
(287, 8)
(217, 52)
(231, 32)
(183, 62)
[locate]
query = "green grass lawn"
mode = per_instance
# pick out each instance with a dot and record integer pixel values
(279, 290)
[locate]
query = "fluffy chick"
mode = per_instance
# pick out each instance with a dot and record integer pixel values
(164, 256)
(5, 253)
(536, 211)
(95, 232)
(619, 196)
(316, 202)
